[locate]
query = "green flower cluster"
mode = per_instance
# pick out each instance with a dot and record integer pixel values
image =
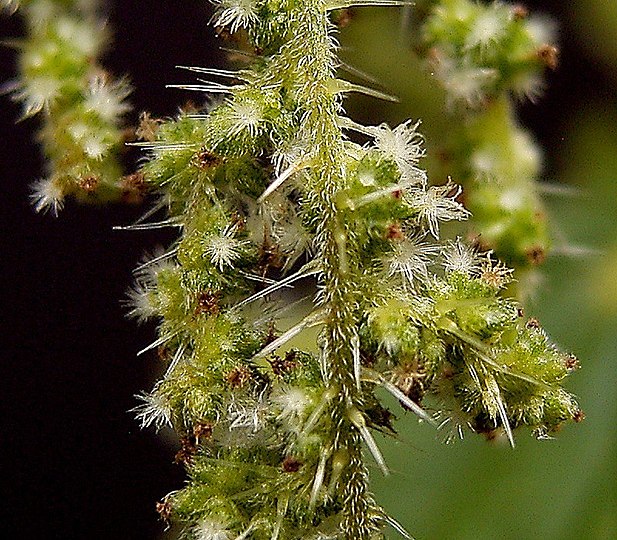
(470, 350)
(479, 51)
(483, 56)
(270, 189)
(279, 196)
(80, 104)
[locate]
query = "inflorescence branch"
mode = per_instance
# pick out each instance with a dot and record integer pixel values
(271, 195)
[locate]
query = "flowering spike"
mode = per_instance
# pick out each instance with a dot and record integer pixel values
(80, 106)
(272, 435)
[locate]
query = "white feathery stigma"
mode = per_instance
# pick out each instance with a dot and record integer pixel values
(81, 36)
(247, 115)
(106, 98)
(465, 82)
(235, 14)
(488, 27)
(541, 29)
(140, 303)
(212, 529)
(411, 258)
(92, 142)
(154, 411)
(403, 145)
(437, 203)
(247, 414)
(47, 195)
(459, 257)
(291, 402)
(224, 249)
(37, 94)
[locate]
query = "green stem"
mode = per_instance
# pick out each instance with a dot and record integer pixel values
(340, 271)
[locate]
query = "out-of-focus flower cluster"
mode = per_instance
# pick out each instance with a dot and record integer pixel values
(81, 105)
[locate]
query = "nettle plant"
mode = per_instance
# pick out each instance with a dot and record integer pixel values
(285, 205)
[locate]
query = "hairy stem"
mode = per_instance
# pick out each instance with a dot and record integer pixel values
(340, 286)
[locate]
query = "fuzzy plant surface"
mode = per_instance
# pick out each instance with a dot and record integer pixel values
(486, 57)
(81, 104)
(466, 68)
(284, 203)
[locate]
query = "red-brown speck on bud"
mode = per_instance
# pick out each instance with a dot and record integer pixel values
(291, 464)
(368, 358)
(238, 221)
(493, 435)
(579, 416)
(289, 362)
(89, 183)
(343, 17)
(238, 376)
(533, 323)
(224, 33)
(202, 431)
(280, 366)
(133, 188)
(208, 303)
(271, 335)
(447, 372)
(270, 257)
(409, 379)
(478, 243)
(456, 192)
(536, 255)
(572, 363)
(486, 427)
(549, 56)
(205, 159)
(147, 128)
(394, 232)
(164, 510)
(190, 107)
(187, 450)
(163, 353)
(520, 12)
(397, 193)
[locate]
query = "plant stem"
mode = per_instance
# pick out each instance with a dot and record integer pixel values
(340, 272)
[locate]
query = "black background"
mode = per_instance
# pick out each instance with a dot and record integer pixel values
(74, 462)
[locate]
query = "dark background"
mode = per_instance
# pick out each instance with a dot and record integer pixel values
(75, 464)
